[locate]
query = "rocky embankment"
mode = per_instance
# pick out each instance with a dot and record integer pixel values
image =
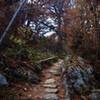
(79, 80)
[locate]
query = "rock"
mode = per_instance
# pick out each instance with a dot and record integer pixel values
(33, 77)
(3, 80)
(78, 75)
(25, 89)
(49, 81)
(50, 97)
(50, 85)
(25, 74)
(79, 78)
(95, 96)
(50, 90)
(79, 84)
(54, 72)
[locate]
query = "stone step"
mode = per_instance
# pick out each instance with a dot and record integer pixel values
(50, 97)
(50, 90)
(49, 81)
(58, 68)
(50, 85)
(54, 72)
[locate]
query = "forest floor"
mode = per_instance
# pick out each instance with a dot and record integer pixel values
(50, 86)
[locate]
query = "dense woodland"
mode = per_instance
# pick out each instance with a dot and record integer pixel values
(34, 34)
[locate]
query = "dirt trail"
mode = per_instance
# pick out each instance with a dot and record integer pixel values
(51, 73)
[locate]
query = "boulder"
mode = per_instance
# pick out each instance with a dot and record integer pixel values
(3, 80)
(79, 76)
